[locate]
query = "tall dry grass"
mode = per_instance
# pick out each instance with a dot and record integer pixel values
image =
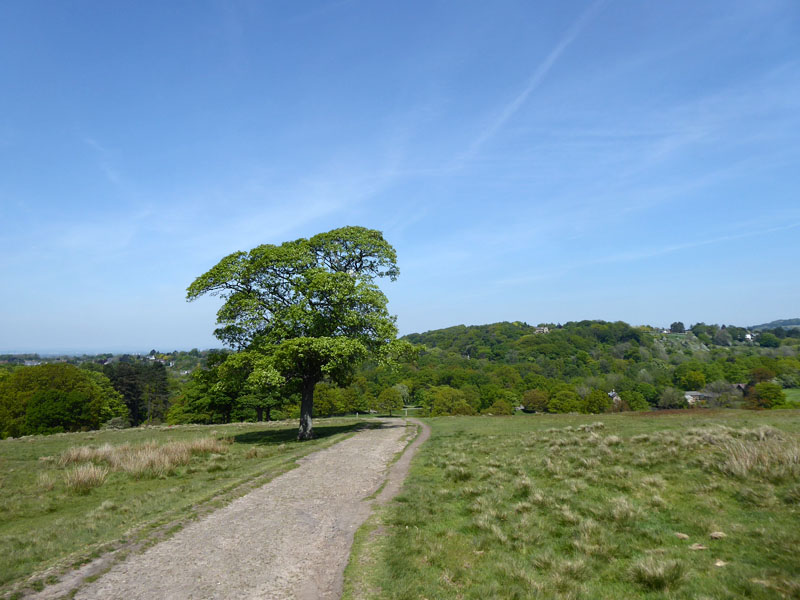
(144, 460)
(655, 574)
(769, 457)
(83, 478)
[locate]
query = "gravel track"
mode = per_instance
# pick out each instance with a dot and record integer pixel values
(290, 538)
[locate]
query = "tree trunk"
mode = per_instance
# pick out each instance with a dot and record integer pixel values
(259, 413)
(269, 410)
(306, 407)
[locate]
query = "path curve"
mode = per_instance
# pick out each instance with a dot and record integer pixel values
(398, 472)
(290, 538)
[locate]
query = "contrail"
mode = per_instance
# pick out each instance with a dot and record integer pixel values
(541, 72)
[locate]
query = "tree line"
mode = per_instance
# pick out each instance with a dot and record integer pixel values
(61, 397)
(586, 366)
(589, 366)
(310, 334)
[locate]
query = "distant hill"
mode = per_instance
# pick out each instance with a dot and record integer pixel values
(517, 341)
(785, 323)
(475, 340)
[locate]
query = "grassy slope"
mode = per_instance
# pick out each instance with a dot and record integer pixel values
(792, 395)
(43, 523)
(525, 507)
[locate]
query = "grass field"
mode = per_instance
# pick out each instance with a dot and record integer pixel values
(792, 394)
(694, 504)
(67, 498)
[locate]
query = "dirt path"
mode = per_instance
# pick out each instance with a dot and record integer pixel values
(290, 538)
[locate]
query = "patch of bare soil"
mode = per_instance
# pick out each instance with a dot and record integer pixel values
(290, 538)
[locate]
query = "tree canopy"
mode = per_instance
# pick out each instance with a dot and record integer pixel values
(56, 397)
(311, 307)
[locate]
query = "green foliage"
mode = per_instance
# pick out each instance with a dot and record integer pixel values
(53, 398)
(144, 388)
(722, 338)
(507, 360)
(311, 307)
(535, 401)
(768, 340)
(761, 373)
(766, 395)
(390, 400)
(449, 401)
(693, 380)
(597, 401)
(566, 401)
(635, 400)
(672, 398)
(500, 408)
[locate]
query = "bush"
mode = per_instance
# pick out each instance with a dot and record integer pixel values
(535, 401)
(500, 407)
(566, 402)
(635, 400)
(766, 395)
(597, 401)
(116, 423)
(672, 398)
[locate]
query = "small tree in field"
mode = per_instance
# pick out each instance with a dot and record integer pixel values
(766, 395)
(390, 399)
(310, 307)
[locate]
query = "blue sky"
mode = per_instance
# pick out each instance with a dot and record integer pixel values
(535, 161)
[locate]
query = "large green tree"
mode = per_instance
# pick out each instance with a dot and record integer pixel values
(310, 306)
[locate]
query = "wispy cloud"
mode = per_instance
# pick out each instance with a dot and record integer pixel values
(259, 209)
(645, 254)
(511, 108)
(104, 161)
(656, 252)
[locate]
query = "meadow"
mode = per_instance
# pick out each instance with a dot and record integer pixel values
(677, 504)
(68, 498)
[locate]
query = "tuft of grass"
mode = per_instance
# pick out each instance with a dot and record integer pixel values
(79, 454)
(766, 456)
(523, 487)
(45, 481)
(621, 510)
(458, 473)
(84, 478)
(149, 459)
(655, 574)
(591, 426)
(792, 495)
